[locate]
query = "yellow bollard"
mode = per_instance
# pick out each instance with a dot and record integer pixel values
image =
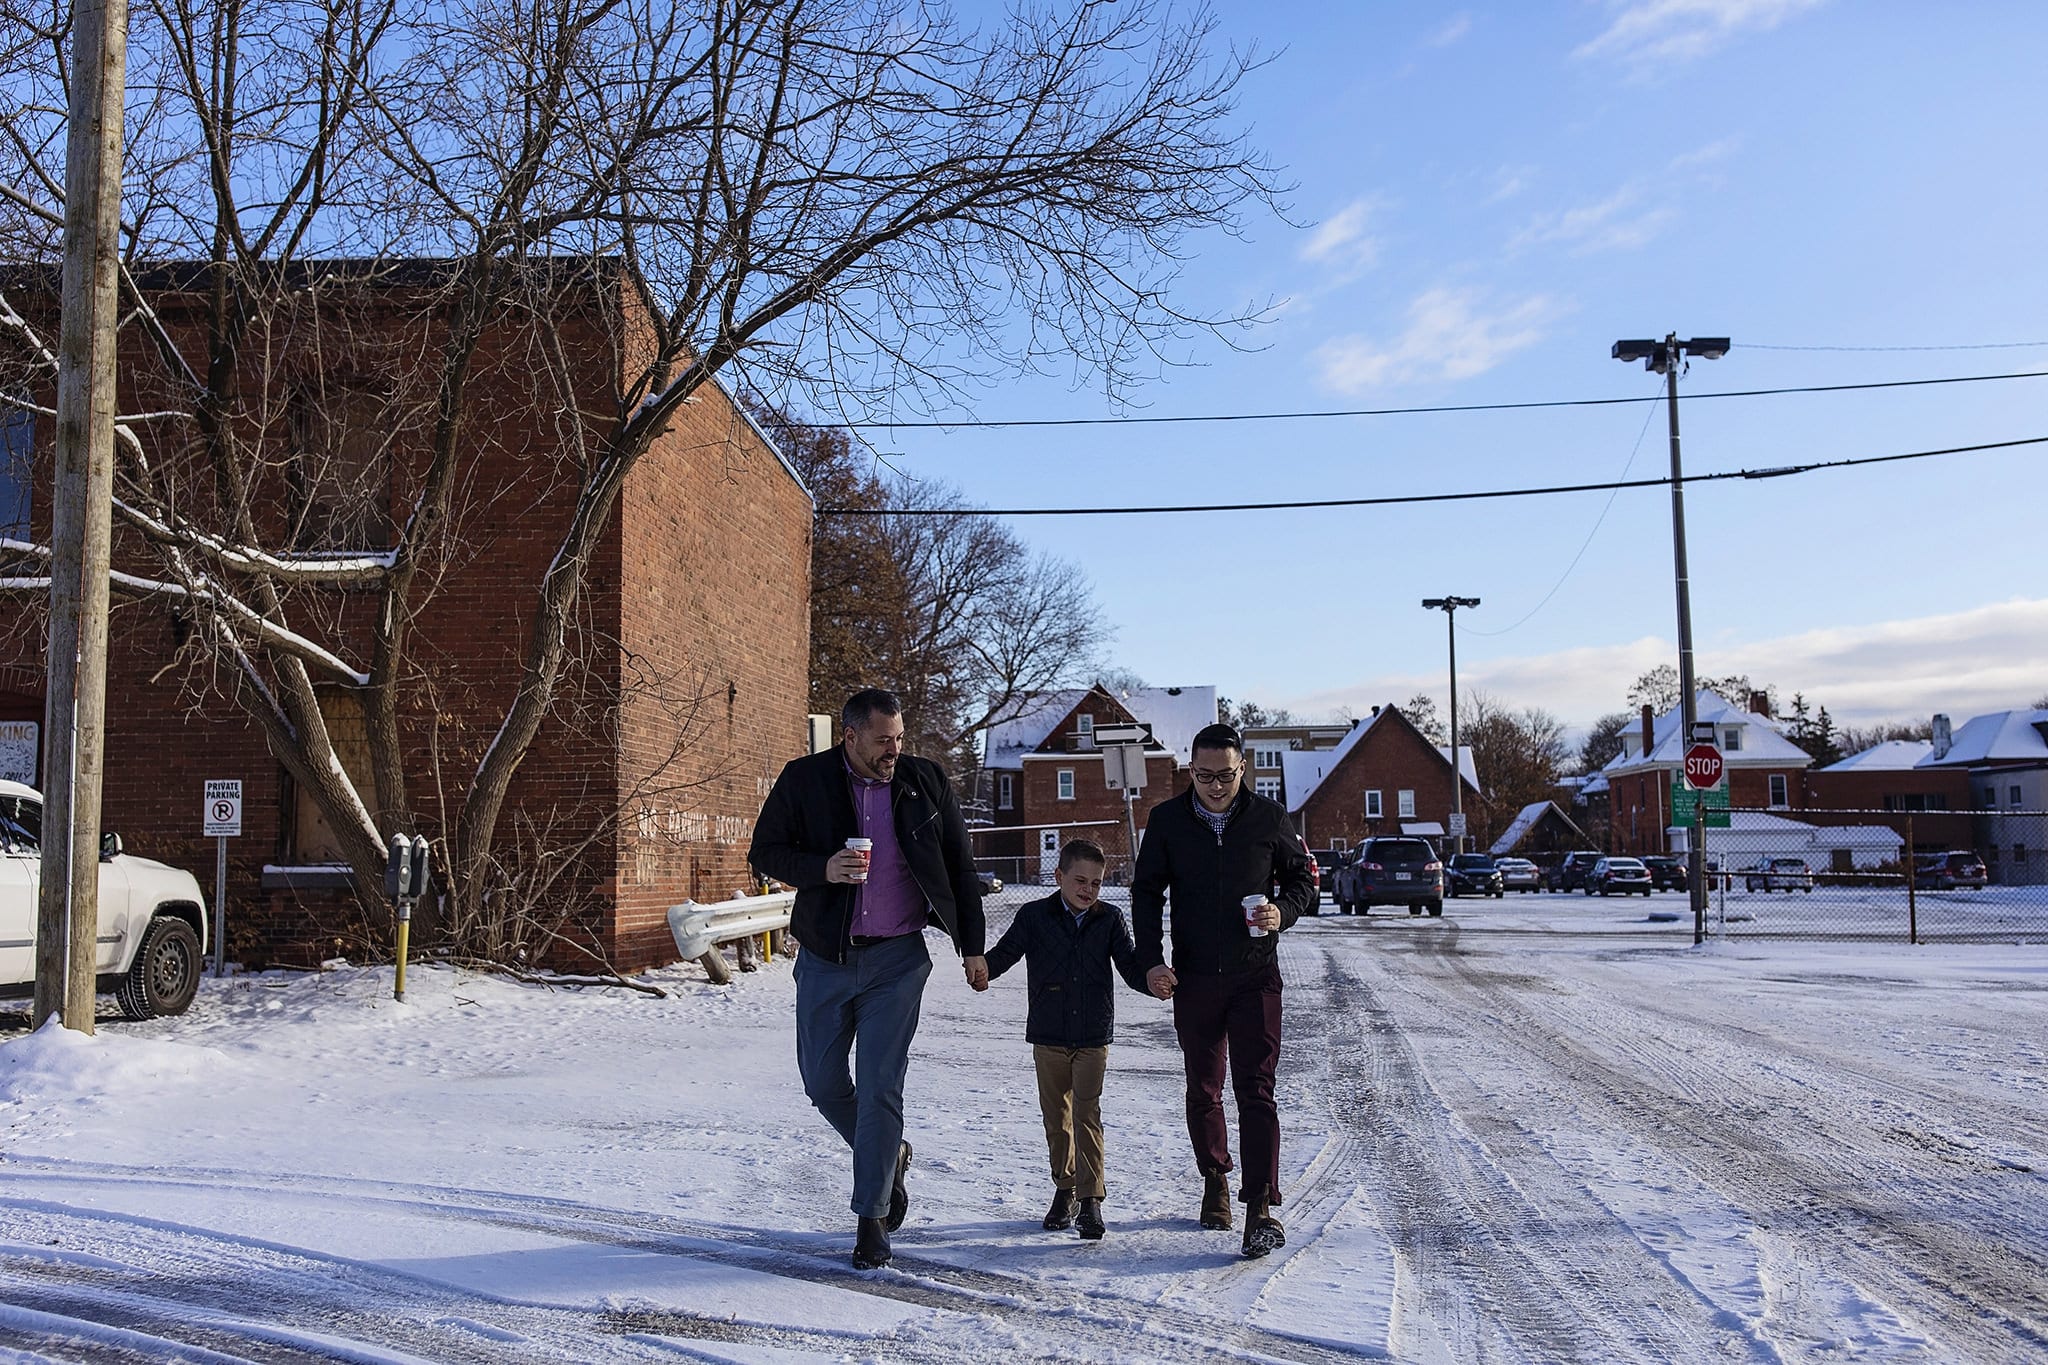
(767, 946)
(404, 933)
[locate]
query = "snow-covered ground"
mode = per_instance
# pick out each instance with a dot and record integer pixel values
(1581, 1140)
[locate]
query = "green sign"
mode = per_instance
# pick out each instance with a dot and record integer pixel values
(1684, 798)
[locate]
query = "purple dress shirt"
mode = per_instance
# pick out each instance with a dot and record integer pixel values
(889, 903)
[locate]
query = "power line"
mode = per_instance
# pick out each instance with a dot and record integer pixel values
(1778, 472)
(997, 423)
(1979, 346)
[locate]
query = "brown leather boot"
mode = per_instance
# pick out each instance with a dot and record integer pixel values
(1216, 1202)
(1262, 1231)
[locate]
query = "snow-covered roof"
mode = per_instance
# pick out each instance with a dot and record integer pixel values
(1466, 767)
(1027, 725)
(2000, 737)
(1763, 742)
(1174, 713)
(1894, 755)
(1304, 771)
(1524, 821)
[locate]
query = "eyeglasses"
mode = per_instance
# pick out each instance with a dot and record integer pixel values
(1222, 779)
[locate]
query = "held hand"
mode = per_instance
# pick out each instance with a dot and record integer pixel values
(1161, 981)
(977, 972)
(845, 866)
(1267, 917)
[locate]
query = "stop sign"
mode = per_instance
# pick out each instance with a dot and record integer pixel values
(1702, 767)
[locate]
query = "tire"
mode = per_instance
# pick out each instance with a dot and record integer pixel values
(165, 974)
(1588, 888)
(1605, 891)
(1414, 909)
(1436, 907)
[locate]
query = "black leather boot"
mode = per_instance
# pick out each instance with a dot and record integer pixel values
(1262, 1231)
(871, 1245)
(1216, 1202)
(1061, 1215)
(899, 1194)
(1089, 1221)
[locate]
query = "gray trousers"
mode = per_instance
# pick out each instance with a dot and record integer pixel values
(865, 1008)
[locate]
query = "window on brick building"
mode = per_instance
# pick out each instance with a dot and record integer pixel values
(313, 839)
(1373, 809)
(1006, 791)
(1084, 725)
(1066, 781)
(1405, 804)
(1267, 787)
(1263, 757)
(1780, 796)
(339, 473)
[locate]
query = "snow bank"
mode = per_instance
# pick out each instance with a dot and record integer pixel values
(56, 1063)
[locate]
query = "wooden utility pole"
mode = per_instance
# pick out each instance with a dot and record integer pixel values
(81, 511)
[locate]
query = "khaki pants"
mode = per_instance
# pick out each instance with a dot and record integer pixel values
(1070, 1101)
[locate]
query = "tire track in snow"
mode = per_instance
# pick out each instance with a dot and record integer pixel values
(1846, 1195)
(1087, 1324)
(1504, 1273)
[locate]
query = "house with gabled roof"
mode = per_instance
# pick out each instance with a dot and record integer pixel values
(1893, 784)
(2005, 756)
(1384, 777)
(1542, 832)
(1046, 776)
(1764, 768)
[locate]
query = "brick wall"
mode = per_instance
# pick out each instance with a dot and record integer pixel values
(1389, 757)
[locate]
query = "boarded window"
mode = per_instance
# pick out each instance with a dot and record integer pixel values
(313, 838)
(340, 470)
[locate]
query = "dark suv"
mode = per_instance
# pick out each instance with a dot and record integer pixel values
(1473, 874)
(1666, 873)
(1949, 871)
(1570, 875)
(1392, 871)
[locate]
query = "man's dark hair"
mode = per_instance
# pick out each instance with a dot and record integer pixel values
(1081, 851)
(864, 705)
(1218, 736)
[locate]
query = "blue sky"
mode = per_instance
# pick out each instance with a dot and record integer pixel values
(1493, 195)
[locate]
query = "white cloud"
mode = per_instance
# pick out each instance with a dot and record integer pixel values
(1651, 31)
(1450, 31)
(1963, 663)
(1450, 335)
(1341, 242)
(1508, 182)
(1616, 223)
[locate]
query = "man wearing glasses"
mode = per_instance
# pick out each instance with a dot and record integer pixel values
(1237, 875)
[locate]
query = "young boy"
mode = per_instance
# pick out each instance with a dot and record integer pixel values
(1068, 942)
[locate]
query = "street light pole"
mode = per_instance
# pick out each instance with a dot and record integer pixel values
(1664, 357)
(1449, 607)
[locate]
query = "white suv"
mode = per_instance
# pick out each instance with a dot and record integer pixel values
(152, 939)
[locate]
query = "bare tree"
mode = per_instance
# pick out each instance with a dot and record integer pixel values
(1518, 754)
(864, 201)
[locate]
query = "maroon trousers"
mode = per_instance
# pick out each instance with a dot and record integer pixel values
(1235, 1018)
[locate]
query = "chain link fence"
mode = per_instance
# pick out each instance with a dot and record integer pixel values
(1028, 855)
(1959, 877)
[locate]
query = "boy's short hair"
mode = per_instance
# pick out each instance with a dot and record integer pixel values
(1081, 851)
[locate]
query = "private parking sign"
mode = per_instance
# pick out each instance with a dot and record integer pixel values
(223, 817)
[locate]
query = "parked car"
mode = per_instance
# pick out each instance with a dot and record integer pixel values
(1519, 874)
(1950, 871)
(152, 931)
(1618, 876)
(1393, 870)
(1570, 875)
(1473, 873)
(1667, 873)
(990, 882)
(1315, 874)
(1778, 874)
(1327, 861)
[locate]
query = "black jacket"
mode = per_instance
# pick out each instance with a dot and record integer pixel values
(1209, 879)
(1066, 966)
(809, 816)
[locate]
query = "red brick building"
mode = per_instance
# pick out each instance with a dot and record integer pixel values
(1764, 769)
(1888, 785)
(683, 697)
(1385, 777)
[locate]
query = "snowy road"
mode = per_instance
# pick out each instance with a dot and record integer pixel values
(1580, 1141)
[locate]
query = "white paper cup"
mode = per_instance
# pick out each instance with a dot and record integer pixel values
(864, 847)
(1252, 906)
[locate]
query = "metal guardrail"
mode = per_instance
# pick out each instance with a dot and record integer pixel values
(700, 927)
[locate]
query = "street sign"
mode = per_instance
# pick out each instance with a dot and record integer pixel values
(223, 817)
(1684, 800)
(1456, 825)
(1123, 766)
(1702, 767)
